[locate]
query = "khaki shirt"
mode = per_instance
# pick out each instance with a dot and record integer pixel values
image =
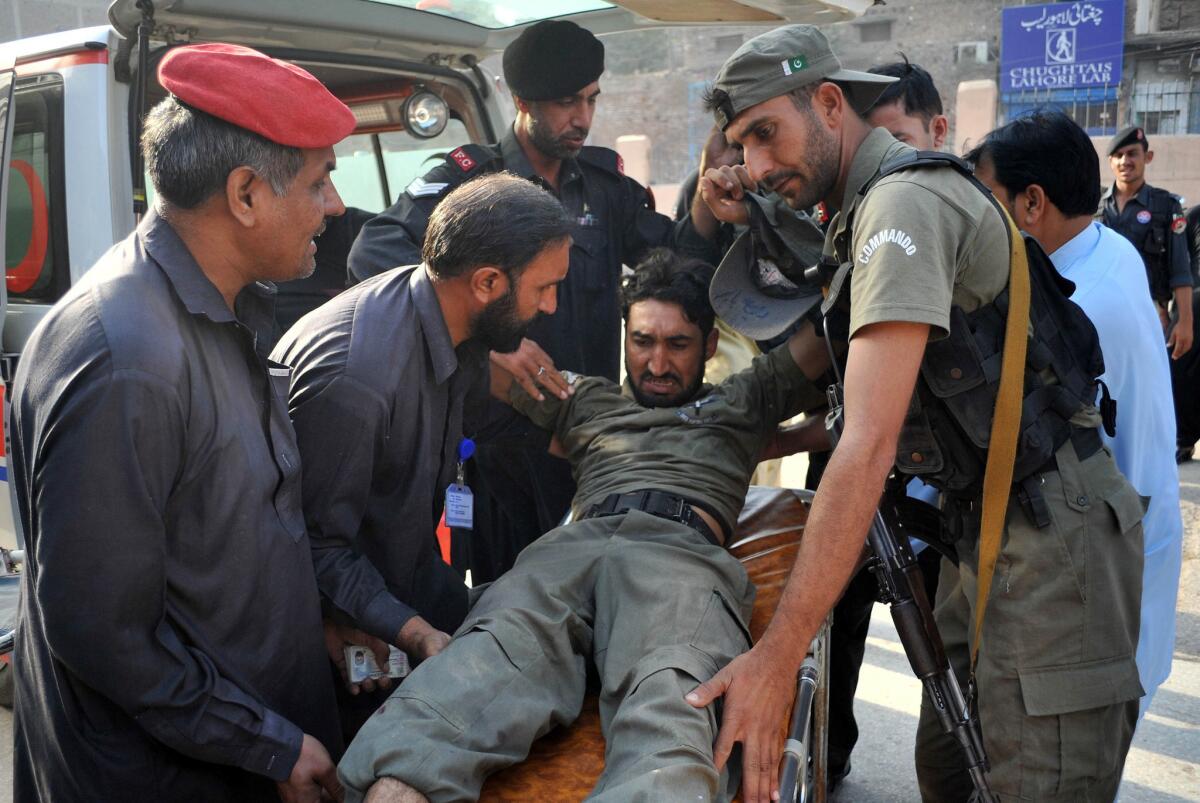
(704, 451)
(922, 240)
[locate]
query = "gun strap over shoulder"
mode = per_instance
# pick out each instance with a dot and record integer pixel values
(1006, 418)
(1006, 424)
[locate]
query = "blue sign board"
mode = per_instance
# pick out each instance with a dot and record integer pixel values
(1062, 45)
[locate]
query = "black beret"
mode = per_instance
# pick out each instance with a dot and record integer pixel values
(1127, 136)
(552, 59)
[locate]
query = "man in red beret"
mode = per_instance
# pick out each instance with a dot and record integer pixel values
(171, 644)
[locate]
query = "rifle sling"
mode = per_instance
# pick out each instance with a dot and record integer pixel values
(1006, 425)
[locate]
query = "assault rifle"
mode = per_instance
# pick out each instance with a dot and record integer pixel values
(900, 586)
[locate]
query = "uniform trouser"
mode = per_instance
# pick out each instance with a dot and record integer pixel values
(1058, 684)
(1185, 388)
(651, 602)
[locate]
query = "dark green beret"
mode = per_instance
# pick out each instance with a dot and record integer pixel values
(552, 59)
(1127, 136)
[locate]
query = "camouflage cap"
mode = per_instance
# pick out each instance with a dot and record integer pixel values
(784, 59)
(760, 287)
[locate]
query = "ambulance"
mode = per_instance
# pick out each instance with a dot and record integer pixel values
(71, 180)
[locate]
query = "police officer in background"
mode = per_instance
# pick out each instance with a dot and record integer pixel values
(1152, 219)
(553, 70)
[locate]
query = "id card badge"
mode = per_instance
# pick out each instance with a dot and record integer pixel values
(460, 506)
(460, 502)
(361, 664)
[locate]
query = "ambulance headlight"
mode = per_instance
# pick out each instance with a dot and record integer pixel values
(425, 114)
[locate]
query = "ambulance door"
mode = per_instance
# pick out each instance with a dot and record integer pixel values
(7, 79)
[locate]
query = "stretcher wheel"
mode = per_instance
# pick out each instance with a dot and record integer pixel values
(564, 765)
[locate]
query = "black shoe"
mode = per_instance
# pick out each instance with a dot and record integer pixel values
(1184, 454)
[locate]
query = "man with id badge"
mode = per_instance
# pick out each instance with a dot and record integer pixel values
(380, 383)
(460, 502)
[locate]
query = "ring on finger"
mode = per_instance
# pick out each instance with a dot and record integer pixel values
(541, 370)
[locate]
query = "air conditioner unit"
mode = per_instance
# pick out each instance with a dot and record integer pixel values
(971, 53)
(1171, 65)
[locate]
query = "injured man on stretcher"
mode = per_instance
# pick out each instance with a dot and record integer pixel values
(640, 583)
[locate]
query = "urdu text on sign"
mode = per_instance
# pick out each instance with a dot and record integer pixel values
(1062, 45)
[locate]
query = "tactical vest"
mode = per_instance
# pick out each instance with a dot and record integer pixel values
(1152, 240)
(945, 435)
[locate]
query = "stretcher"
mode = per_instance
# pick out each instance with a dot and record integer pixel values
(565, 764)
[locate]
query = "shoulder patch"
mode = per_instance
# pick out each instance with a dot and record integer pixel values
(472, 158)
(881, 238)
(1178, 224)
(465, 163)
(420, 188)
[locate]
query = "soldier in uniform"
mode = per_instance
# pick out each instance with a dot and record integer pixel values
(553, 70)
(1152, 219)
(911, 111)
(923, 263)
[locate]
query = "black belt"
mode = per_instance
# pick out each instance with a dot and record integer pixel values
(656, 503)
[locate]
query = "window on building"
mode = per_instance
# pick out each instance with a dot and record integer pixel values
(1159, 122)
(1166, 107)
(1177, 15)
(35, 247)
(1093, 108)
(876, 31)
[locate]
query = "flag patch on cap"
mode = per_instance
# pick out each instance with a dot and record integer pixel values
(794, 64)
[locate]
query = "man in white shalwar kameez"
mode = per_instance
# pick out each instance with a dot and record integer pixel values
(1044, 169)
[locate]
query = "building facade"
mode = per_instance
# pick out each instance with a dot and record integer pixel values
(656, 77)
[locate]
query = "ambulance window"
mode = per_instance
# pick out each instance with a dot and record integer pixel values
(408, 157)
(404, 157)
(35, 248)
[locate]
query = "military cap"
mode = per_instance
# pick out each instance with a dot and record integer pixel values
(784, 59)
(1127, 136)
(760, 288)
(274, 99)
(552, 59)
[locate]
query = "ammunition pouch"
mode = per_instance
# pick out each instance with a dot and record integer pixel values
(946, 432)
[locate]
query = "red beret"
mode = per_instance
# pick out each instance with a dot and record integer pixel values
(251, 90)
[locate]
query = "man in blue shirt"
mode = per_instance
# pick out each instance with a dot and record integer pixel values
(1043, 168)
